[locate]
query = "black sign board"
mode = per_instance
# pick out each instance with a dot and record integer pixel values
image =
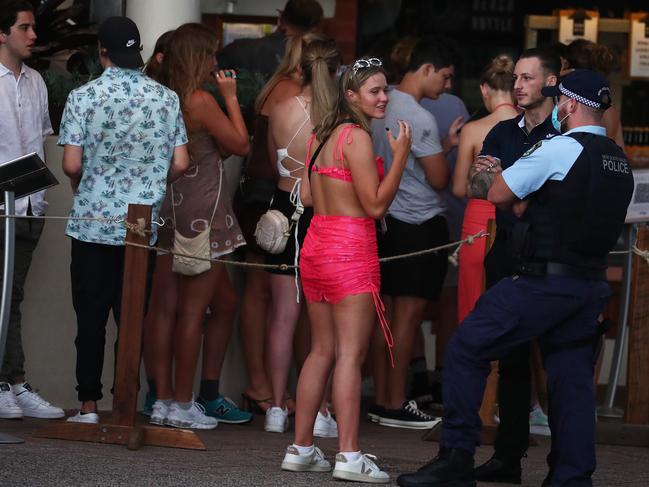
(24, 176)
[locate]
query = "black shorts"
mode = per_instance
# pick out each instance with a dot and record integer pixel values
(421, 276)
(282, 202)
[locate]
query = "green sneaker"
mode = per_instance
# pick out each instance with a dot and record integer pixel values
(225, 410)
(148, 405)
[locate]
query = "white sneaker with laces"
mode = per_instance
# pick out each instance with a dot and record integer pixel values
(539, 422)
(362, 470)
(311, 462)
(325, 426)
(88, 418)
(9, 408)
(276, 420)
(33, 405)
(159, 413)
(194, 417)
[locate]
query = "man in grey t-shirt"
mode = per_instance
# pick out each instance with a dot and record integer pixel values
(415, 221)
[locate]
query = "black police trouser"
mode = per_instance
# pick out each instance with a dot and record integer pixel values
(514, 370)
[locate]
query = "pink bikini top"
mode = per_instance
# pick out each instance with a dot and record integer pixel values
(342, 173)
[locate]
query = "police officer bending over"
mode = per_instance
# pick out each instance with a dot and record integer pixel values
(574, 190)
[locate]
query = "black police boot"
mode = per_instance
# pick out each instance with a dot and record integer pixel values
(502, 470)
(450, 468)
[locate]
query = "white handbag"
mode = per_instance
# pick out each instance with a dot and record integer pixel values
(198, 246)
(273, 229)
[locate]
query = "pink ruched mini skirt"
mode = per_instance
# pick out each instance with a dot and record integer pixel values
(339, 258)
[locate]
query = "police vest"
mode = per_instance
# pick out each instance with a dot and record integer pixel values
(577, 221)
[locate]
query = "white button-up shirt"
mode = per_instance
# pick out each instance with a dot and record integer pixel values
(24, 123)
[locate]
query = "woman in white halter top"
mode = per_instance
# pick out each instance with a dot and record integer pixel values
(290, 126)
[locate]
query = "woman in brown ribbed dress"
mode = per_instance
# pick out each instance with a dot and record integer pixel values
(196, 201)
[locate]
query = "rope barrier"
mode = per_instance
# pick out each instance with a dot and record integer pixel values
(139, 229)
(113, 219)
(469, 240)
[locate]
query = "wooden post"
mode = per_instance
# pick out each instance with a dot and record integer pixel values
(121, 429)
(637, 410)
(129, 347)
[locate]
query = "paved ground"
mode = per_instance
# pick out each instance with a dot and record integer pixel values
(247, 456)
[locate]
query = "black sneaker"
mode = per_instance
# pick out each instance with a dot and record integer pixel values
(504, 471)
(408, 416)
(452, 467)
(374, 412)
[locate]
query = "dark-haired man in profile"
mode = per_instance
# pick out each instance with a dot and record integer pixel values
(508, 140)
(414, 221)
(24, 124)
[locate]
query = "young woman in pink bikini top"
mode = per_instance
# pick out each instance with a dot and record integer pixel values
(339, 264)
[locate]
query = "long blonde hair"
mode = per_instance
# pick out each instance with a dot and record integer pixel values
(343, 108)
(186, 66)
(320, 60)
(288, 66)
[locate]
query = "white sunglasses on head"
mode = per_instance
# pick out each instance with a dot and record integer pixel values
(366, 63)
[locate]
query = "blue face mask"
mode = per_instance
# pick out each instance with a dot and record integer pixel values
(556, 123)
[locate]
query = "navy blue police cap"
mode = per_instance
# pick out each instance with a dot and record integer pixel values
(585, 86)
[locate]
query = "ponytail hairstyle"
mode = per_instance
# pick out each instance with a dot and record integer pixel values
(320, 60)
(288, 66)
(186, 66)
(499, 74)
(343, 109)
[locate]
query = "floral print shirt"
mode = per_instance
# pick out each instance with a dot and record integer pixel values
(128, 126)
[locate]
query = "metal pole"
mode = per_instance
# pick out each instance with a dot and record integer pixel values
(7, 284)
(607, 410)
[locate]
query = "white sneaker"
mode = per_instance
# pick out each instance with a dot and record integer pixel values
(362, 470)
(539, 422)
(276, 420)
(325, 426)
(310, 462)
(88, 418)
(9, 408)
(33, 405)
(194, 417)
(159, 413)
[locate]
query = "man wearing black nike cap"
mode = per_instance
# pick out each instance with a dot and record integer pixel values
(124, 139)
(572, 192)
(119, 41)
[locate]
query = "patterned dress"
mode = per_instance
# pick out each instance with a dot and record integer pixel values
(194, 196)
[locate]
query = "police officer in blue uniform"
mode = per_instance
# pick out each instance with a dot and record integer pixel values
(572, 191)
